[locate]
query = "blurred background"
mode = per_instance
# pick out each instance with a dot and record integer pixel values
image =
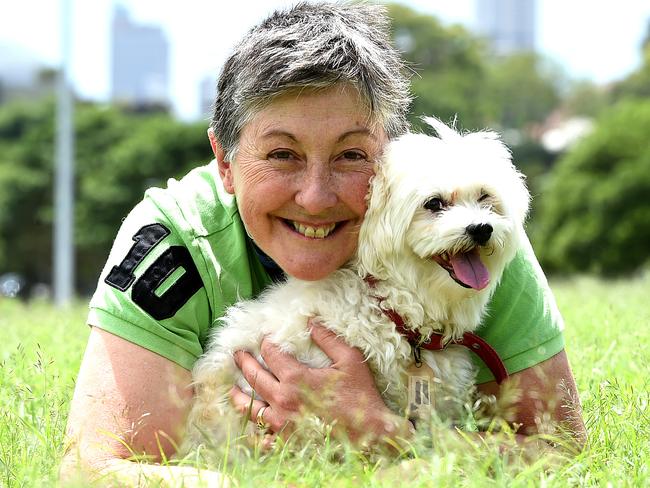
(566, 83)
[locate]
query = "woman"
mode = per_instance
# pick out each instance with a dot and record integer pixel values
(305, 104)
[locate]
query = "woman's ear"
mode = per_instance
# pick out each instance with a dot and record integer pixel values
(225, 169)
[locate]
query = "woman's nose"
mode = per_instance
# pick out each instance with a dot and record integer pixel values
(317, 191)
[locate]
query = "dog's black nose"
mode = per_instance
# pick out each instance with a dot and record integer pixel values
(479, 232)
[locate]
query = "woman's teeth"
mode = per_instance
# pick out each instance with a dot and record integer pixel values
(313, 232)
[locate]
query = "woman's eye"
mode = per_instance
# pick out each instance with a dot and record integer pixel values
(282, 155)
(354, 155)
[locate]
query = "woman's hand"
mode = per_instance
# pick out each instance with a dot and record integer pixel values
(343, 393)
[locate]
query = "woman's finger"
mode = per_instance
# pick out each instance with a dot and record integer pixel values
(268, 441)
(245, 404)
(258, 377)
(335, 348)
(259, 412)
(283, 365)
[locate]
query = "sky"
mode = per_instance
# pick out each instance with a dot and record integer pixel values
(591, 39)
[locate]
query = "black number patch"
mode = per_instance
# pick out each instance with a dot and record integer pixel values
(143, 293)
(122, 276)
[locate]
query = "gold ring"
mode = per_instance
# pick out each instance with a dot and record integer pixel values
(259, 418)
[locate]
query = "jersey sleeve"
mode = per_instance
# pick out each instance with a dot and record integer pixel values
(151, 291)
(523, 323)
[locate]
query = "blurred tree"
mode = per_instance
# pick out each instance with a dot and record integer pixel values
(595, 211)
(585, 98)
(637, 84)
(523, 88)
(449, 66)
(118, 155)
(26, 135)
(457, 74)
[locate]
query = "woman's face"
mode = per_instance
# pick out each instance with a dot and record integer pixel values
(300, 178)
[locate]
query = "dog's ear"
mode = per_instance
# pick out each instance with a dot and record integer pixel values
(377, 233)
(384, 227)
(517, 198)
(371, 245)
(520, 197)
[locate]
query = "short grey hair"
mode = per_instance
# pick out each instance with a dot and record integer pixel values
(313, 46)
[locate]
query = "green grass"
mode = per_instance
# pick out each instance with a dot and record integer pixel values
(40, 352)
(608, 343)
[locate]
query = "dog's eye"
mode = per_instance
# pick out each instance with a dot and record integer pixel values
(434, 205)
(483, 197)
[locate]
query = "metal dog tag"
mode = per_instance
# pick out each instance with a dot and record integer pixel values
(420, 391)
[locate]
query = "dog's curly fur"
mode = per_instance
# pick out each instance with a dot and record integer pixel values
(445, 216)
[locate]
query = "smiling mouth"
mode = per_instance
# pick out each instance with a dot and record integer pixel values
(465, 268)
(312, 232)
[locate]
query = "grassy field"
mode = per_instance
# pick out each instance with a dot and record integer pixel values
(608, 343)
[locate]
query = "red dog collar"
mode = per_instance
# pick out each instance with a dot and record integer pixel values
(434, 343)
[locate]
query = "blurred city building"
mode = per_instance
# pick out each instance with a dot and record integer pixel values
(140, 63)
(509, 24)
(207, 92)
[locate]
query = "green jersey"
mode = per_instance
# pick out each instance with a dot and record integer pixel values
(182, 257)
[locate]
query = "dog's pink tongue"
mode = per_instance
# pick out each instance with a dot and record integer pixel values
(469, 269)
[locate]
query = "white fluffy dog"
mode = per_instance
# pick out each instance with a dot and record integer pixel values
(445, 215)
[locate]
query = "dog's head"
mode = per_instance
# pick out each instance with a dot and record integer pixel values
(448, 210)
